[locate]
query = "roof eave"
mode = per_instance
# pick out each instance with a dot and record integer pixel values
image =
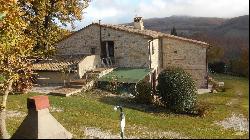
(106, 26)
(188, 40)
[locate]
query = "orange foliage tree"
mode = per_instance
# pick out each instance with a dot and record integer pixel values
(15, 47)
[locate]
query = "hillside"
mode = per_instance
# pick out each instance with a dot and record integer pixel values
(230, 34)
(233, 28)
(187, 26)
(184, 24)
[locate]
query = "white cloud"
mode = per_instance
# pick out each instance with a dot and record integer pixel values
(123, 11)
(102, 13)
(201, 8)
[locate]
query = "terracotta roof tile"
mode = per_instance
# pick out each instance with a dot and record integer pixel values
(131, 29)
(145, 32)
(58, 63)
(150, 33)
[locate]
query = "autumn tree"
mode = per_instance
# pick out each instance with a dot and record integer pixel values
(215, 54)
(46, 17)
(240, 66)
(15, 47)
(245, 62)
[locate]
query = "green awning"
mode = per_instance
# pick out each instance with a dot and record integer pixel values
(126, 75)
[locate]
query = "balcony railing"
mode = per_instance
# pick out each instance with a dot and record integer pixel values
(108, 62)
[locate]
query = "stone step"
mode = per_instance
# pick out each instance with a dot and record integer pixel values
(94, 72)
(90, 76)
(76, 85)
(93, 75)
(65, 92)
(78, 82)
(100, 69)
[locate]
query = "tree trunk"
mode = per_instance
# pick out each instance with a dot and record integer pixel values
(3, 131)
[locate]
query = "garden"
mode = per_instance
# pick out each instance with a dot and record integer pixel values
(91, 114)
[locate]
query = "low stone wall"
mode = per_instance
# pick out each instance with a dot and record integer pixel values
(54, 78)
(89, 63)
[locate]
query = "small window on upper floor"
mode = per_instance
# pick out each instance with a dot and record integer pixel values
(92, 51)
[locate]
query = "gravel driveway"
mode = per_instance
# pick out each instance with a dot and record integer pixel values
(236, 122)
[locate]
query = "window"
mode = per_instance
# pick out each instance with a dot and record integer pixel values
(92, 51)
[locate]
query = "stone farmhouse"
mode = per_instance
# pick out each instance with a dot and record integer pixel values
(100, 46)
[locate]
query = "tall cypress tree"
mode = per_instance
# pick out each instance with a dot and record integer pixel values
(174, 32)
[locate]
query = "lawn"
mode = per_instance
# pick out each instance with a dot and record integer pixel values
(93, 109)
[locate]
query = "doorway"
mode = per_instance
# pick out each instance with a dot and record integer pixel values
(108, 52)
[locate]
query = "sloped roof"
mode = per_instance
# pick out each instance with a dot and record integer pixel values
(131, 29)
(150, 33)
(145, 32)
(58, 63)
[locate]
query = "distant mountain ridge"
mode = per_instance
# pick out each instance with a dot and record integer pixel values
(187, 25)
(235, 27)
(184, 24)
(232, 34)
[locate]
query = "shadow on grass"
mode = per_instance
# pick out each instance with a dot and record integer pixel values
(131, 104)
(30, 94)
(147, 108)
(112, 99)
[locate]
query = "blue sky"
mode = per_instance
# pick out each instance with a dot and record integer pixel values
(123, 11)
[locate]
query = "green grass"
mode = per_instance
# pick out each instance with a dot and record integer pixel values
(91, 110)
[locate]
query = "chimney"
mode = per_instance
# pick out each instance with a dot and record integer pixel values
(39, 123)
(138, 23)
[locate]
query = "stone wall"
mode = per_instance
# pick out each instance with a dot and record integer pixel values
(154, 50)
(191, 57)
(131, 50)
(80, 42)
(89, 63)
(54, 78)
